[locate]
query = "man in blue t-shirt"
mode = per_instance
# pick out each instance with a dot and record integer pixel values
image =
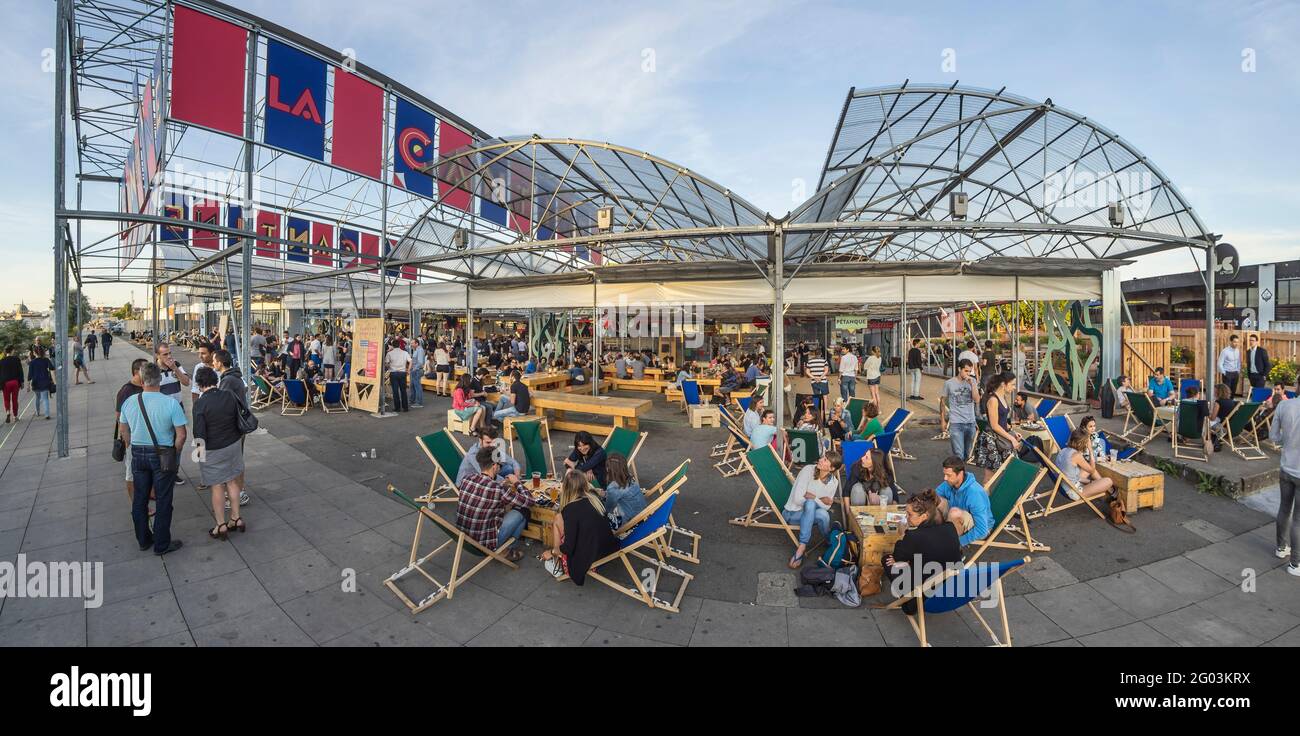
(1161, 389)
(166, 418)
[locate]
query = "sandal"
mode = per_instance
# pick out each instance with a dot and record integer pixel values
(238, 525)
(796, 562)
(219, 531)
(515, 555)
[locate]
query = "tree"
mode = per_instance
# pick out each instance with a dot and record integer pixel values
(15, 336)
(126, 311)
(73, 296)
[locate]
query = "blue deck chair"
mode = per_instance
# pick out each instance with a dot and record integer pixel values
(959, 588)
(691, 393)
(331, 399)
(1261, 394)
(1058, 499)
(743, 401)
(1186, 383)
(671, 483)
(733, 458)
(1045, 407)
(1122, 454)
(294, 402)
(1060, 429)
(894, 425)
(463, 554)
(647, 531)
(728, 418)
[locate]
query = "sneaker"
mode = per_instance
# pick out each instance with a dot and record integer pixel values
(1283, 552)
(179, 481)
(1069, 492)
(1293, 570)
(244, 500)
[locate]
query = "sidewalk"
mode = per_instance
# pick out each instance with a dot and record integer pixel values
(319, 516)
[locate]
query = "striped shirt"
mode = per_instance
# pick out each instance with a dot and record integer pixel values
(816, 368)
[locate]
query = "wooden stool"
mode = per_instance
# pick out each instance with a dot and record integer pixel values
(455, 423)
(702, 415)
(1141, 486)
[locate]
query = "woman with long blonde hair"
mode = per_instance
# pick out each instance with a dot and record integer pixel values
(581, 531)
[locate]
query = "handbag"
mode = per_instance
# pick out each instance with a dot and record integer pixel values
(119, 447)
(167, 459)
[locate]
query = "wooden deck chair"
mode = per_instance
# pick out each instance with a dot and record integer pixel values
(670, 483)
(1260, 394)
(626, 442)
(733, 460)
(1056, 491)
(294, 401)
(464, 545)
(331, 399)
(1187, 383)
(894, 425)
(958, 588)
(774, 486)
(805, 446)
(691, 394)
(1121, 454)
(855, 410)
(1242, 432)
(644, 533)
(536, 458)
(1046, 406)
(268, 394)
(446, 454)
(743, 402)
(1146, 425)
(1011, 487)
(1060, 428)
(728, 418)
(1187, 435)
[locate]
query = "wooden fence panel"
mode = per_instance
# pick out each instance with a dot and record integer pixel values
(1146, 347)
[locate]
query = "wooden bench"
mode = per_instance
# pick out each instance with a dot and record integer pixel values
(653, 385)
(624, 411)
(585, 388)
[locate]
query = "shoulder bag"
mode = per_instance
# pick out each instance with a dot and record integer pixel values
(167, 460)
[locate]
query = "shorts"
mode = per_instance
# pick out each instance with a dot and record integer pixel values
(443, 369)
(873, 381)
(821, 388)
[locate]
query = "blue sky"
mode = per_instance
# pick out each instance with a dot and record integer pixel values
(748, 93)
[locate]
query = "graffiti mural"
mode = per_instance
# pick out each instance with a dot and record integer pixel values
(1068, 335)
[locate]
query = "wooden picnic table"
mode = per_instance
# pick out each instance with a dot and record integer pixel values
(648, 372)
(873, 544)
(545, 381)
(624, 411)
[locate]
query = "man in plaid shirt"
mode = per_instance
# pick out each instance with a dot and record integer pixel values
(484, 511)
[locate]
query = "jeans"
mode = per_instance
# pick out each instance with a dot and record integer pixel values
(504, 409)
(961, 438)
(147, 475)
(916, 381)
(91, 348)
(848, 387)
(397, 381)
(812, 513)
(42, 399)
(1288, 517)
(106, 347)
(512, 525)
(417, 391)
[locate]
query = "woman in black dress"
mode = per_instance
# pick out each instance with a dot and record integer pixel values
(582, 533)
(929, 539)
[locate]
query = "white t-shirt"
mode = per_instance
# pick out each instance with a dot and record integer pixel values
(314, 348)
(397, 360)
(440, 357)
(807, 481)
(194, 385)
(971, 356)
(872, 370)
(848, 365)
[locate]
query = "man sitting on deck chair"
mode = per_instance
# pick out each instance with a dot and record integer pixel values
(489, 437)
(484, 509)
(1161, 389)
(964, 502)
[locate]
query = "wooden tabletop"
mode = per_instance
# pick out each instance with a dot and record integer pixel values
(1125, 469)
(545, 379)
(588, 404)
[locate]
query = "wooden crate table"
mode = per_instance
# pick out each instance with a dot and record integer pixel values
(873, 545)
(623, 411)
(701, 415)
(1043, 433)
(1141, 486)
(541, 518)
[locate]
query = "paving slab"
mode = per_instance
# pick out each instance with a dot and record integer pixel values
(528, 627)
(1079, 609)
(723, 623)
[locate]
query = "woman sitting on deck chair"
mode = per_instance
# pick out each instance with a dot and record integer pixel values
(587, 457)
(623, 495)
(810, 500)
(1075, 462)
(929, 539)
(582, 533)
(870, 480)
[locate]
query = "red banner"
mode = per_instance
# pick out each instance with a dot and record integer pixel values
(358, 125)
(208, 69)
(268, 226)
(451, 138)
(322, 236)
(210, 213)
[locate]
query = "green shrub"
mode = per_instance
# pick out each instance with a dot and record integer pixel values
(1180, 354)
(1283, 372)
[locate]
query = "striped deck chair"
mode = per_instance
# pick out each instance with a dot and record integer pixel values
(1010, 488)
(733, 460)
(446, 454)
(774, 486)
(670, 483)
(642, 534)
(1059, 485)
(1187, 435)
(536, 458)
(1146, 425)
(626, 442)
(1240, 429)
(331, 399)
(294, 401)
(464, 546)
(894, 425)
(959, 588)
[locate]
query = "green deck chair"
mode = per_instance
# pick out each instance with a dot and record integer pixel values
(1143, 414)
(774, 486)
(805, 446)
(1009, 488)
(536, 457)
(855, 409)
(465, 545)
(1242, 430)
(446, 455)
(626, 442)
(1188, 435)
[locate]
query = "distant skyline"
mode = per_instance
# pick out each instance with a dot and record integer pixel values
(748, 93)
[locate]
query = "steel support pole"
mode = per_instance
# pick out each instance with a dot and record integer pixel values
(904, 330)
(1015, 335)
(383, 269)
(61, 21)
(1211, 359)
(246, 253)
(778, 323)
(595, 338)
